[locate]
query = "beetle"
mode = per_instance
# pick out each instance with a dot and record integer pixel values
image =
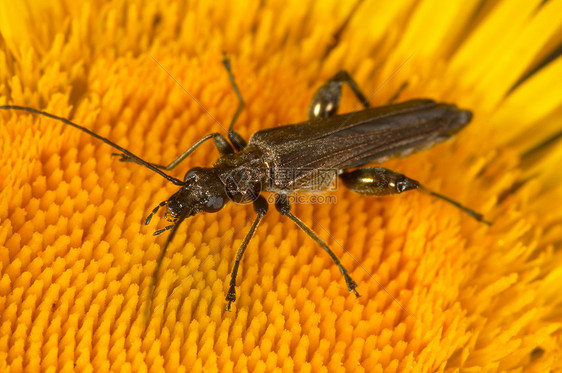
(292, 158)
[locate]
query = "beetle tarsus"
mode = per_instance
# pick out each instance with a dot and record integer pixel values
(351, 285)
(122, 157)
(230, 297)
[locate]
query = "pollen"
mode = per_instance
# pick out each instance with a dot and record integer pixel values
(440, 292)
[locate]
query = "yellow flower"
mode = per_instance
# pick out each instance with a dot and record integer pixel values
(76, 260)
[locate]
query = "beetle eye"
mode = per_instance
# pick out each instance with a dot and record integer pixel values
(214, 204)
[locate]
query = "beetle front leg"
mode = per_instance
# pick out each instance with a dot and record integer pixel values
(223, 146)
(234, 137)
(378, 181)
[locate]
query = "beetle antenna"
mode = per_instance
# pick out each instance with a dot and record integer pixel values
(93, 134)
(160, 231)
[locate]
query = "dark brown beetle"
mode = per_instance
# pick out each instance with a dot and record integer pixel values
(294, 157)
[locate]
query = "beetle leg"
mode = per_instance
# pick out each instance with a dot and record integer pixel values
(283, 206)
(235, 138)
(221, 143)
(326, 100)
(378, 181)
(398, 93)
(261, 207)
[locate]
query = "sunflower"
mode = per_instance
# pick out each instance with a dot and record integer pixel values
(440, 291)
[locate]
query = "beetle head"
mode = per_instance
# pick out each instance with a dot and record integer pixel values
(202, 191)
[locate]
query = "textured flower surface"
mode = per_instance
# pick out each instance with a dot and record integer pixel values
(440, 291)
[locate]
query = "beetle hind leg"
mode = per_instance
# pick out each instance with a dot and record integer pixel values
(326, 100)
(378, 181)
